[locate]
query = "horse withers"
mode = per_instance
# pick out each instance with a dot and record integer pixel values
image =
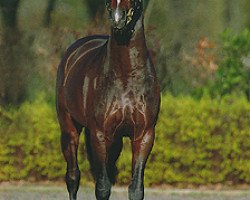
(108, 86)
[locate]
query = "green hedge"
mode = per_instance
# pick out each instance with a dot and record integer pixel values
(206, 141)
(197, 142)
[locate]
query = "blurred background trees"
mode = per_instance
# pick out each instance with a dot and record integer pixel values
(10, 72)
(194, 53)
(201, 50)
(48, 12)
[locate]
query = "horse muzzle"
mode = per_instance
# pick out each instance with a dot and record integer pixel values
(118, 18)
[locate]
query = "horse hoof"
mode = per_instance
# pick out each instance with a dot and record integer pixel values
(135, 193)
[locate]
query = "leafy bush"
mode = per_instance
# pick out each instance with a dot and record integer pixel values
(233, 73)
(29, 144)
(201, 141)
(197, 142)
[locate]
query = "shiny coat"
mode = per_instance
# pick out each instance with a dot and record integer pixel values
(111, 90)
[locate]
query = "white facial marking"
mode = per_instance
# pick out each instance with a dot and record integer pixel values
(117, 16)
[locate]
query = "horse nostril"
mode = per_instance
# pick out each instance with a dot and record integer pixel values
(118, 17)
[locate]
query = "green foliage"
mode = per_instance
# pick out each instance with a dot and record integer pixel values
(233, 75)
(197, 142)
(29, 146)
(201, 141)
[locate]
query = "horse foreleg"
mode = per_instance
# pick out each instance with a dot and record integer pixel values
(99, 150)
(113, 155)
(69, 144)
(141, 149)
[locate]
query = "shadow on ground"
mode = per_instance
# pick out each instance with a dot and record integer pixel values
(55, 193)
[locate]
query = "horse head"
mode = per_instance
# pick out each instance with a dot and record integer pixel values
(124, 15)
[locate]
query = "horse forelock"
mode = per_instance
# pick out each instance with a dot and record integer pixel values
(121, 3)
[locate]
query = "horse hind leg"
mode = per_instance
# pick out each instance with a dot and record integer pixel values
(141, 150)
(90, 152)
(69, 144)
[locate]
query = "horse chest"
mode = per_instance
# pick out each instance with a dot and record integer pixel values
(127, 103)
(126, 108)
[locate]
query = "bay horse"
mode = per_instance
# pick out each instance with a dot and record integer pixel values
(108, 86)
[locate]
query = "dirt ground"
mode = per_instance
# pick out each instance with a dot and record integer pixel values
(33, 192)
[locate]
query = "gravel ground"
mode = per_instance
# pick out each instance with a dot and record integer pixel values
(53, 193)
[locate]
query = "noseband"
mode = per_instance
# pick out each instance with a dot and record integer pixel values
(124, 34)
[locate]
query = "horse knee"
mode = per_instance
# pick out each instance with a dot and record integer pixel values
(72, 179)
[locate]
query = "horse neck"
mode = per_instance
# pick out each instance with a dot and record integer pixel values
(124, 60)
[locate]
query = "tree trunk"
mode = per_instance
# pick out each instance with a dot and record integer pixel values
(146, 4)
(12, 89)
(50, 8)
(96, 8)
(9, 10)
